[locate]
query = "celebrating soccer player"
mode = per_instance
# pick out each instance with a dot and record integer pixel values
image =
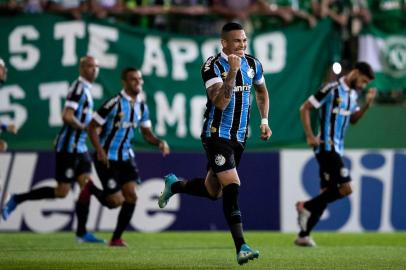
(337, 102)
(115, 163)
(228, 77)
(73, 161)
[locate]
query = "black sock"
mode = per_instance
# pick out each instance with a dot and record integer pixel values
(82, 212)
(126, 213)
(232, 214)
(98, 193)
(36, 194)
(313, 219)
(317, 205)
(194, 187)
(328, 196)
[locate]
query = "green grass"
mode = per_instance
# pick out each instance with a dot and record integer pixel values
(203, 250)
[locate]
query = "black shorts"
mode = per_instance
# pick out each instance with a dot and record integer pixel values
(222, 154)
(69, 166)
(119, 173)
(333, 173)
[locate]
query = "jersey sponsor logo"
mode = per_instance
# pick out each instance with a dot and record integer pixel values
(125, 124)
(208, 63)
(242, 88)
(341, 111)
(220, 160)
(111, 102)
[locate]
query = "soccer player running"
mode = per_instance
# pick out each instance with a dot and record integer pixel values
(73, 161)
(111, 131)
(228, 77)
(337, 103)
(11, 128)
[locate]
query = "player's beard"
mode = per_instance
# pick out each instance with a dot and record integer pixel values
(353, 84)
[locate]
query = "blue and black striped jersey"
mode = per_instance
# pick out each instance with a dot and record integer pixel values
(71, 140)
(118, 117)
(336, 102)
(232, 123)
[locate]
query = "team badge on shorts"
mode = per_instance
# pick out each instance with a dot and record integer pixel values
(69, 173)
(111, 184)
(344, 172)
(220, 160)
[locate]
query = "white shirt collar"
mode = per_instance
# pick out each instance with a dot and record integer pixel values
(225, 56)
(127, 97)
(345, 86)
(86, 82)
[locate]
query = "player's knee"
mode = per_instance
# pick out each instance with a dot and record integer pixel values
(3, 146)
(214, 192)
(214, 196)
(131, 197)
(61, 192)
(82, 180)
(345, 190)
(114, 202)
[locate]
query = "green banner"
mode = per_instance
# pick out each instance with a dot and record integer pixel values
(387, 55)
(42, 53)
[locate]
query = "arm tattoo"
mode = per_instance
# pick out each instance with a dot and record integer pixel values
(228, 89)
(228, 84)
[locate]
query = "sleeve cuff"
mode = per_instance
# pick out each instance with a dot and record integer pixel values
(100, 120)
(71, 104)
(260, 81)
(314, 102)
(213, 81)
(146, 124)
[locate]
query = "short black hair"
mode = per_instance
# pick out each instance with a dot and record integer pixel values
(231, 26)
(365, 69)
(125, 71)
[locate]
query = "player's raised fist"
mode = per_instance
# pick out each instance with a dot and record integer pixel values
(234, 61)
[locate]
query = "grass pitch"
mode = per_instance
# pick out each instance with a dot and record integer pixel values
(203, 250)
